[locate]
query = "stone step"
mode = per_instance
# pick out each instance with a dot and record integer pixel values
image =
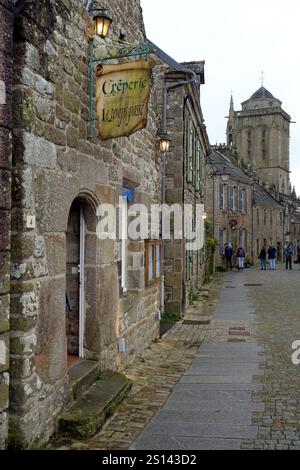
(82, 375)
(89, 413)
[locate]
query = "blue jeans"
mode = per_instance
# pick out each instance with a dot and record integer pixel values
(272, 263)
(263, 264)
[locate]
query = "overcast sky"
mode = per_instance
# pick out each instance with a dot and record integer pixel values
(237, 40)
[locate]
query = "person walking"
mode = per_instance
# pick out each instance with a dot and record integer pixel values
(272, 257)
(288, 256)
(262, 257)
(298, 255)
(241, 255)
(228, 255)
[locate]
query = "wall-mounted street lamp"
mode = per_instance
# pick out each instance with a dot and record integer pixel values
(164, 141)
(102, 22)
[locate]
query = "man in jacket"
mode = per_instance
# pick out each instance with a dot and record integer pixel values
(288, 256)
(262, 257)
(228, 255)
(272, 257)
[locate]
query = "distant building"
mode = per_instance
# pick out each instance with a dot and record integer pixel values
(260, 134)
(259, 138)
(229, 202)
(243, 212)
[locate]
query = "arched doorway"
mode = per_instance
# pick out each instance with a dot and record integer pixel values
(75, 282)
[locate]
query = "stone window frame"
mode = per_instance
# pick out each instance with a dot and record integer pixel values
(190, 151)
(153, 244)
(265, 217)
(222, 195)
(234, 198)
(242, 204)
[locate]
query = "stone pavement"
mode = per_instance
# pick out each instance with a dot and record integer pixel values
(218, 382)
(242, 390)
(154, 376)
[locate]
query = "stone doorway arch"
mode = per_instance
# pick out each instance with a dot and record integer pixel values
(82, 260)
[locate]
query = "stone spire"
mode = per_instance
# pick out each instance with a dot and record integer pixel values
(230, 123)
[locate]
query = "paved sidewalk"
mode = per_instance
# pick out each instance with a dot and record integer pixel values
(212, 406)
(154, 376)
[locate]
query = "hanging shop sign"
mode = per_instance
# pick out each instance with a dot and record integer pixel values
(122, 98)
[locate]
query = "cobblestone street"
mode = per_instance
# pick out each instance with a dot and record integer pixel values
(240, 390)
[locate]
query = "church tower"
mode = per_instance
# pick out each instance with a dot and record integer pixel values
(260, 134)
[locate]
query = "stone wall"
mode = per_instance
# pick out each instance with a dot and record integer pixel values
(6, 28)
(56, 163)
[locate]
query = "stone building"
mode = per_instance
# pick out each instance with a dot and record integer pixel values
(295, 227)
(229, 202)
(268, 222)
(243, 212)
(259, 135)
(185, 185)
(73, 297)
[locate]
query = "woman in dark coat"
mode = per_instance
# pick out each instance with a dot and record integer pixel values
(263, 257)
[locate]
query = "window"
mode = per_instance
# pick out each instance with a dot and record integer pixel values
(152, 261)
(198, 166)
(265, 217)
(257, 216)
(263, 144)
(242, 200)
(190, 152)
(234, 199)
(229, 198)
(249, 143)
(222, 195)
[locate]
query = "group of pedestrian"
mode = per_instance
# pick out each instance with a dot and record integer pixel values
(240, 256)
(266, 254)
(271, 253)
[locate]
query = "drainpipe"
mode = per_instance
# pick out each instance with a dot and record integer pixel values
(6, 27)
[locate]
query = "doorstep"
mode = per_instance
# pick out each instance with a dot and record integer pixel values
(89, 413)
(81, 376)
